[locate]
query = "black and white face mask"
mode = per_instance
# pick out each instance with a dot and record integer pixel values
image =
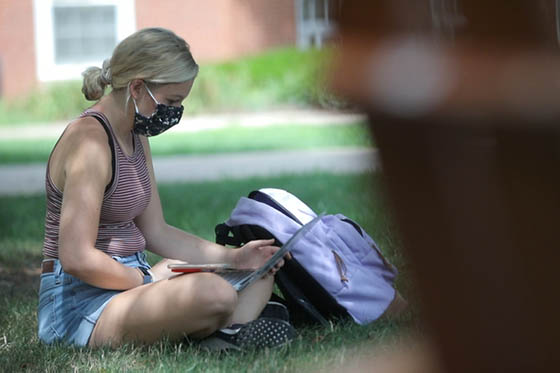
(162, 119)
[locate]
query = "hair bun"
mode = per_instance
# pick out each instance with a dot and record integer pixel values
(93, 86)
(106, 72)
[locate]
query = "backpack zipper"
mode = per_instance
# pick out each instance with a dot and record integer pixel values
(341, 266)
(387, 264)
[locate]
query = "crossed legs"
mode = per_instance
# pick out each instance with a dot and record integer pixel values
(194, 305)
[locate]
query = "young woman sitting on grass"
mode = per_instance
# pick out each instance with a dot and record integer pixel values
(104, 211)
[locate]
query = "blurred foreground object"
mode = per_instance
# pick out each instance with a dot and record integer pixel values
(463, 104)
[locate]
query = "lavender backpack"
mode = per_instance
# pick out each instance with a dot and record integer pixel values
(337, 270)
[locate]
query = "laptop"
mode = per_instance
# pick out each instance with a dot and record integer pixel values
(241, 278)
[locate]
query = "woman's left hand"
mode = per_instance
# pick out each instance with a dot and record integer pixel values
(160, 271)
(255, 253)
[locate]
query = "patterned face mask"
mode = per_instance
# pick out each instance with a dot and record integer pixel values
(162, 119)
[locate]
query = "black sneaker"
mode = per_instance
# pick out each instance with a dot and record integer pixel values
(259, 333)
(275, 310)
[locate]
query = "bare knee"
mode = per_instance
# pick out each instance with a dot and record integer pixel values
(216, 298)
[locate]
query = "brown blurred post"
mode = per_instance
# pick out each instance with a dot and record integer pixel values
(474, 172)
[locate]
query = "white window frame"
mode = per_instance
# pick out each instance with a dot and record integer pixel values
(47, 68)
(312, 28)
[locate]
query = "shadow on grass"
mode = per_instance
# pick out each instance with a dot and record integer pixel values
(315, 349)
(21, 280)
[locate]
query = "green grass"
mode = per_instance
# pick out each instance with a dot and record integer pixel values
(195, 208)
(275, 78)
(223, 140)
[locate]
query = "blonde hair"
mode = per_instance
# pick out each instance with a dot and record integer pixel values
(155, 55)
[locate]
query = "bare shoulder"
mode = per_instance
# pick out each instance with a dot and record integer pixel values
(84, 136)
(85, 128)
(84, 146)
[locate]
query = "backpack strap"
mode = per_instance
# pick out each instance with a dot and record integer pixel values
(239, 235)
(223, 236)
(298, 304)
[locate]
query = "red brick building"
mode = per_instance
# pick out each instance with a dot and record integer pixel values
(48, 40)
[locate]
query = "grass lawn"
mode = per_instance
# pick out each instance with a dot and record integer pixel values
(222, 140)
(195, 208)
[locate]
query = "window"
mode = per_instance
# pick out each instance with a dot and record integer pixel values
(83, 33)
(314, 24)
(72, 35)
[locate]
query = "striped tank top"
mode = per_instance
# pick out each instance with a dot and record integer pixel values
(126, 196)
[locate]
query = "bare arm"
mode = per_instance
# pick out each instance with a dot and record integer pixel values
(168, 241)
(86, 165)
(173, 243)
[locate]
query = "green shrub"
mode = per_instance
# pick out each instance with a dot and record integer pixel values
(50, 102)
(283, 77)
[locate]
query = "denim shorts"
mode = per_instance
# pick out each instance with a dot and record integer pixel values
(69, 308)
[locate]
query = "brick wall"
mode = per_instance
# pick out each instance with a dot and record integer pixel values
(223, 29)
(215, 29)
(17, 48)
